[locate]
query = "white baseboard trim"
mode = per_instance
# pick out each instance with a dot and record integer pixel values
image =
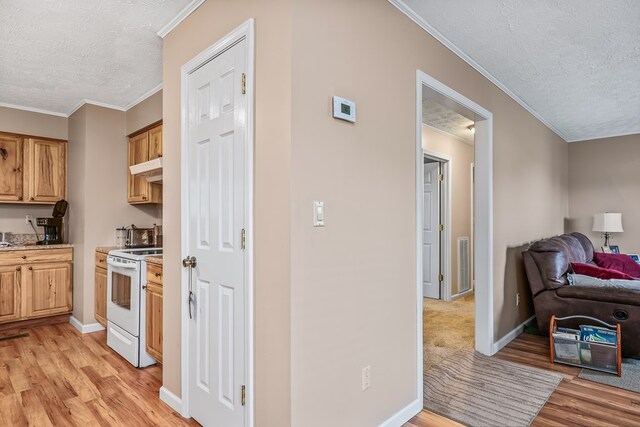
(171, 399)
(85, 329)
(502, 342)
(404, 414)
(462, 294)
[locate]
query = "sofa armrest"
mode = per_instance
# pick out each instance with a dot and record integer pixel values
(617, 296)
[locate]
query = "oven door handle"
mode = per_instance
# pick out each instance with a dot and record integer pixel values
(122, 265)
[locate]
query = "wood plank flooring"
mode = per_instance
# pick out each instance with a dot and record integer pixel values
(57, 376)
(576, 402)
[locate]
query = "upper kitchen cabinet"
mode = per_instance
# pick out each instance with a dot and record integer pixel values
(143, 147)
(11, 174)
(32, 170)
(46, 169)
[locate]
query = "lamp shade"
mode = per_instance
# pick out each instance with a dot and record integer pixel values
(607, 222)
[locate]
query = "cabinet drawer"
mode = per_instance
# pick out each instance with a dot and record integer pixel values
(154, 273)
(43, 255)
(101, 260)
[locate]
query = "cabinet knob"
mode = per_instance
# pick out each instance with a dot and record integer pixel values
(30, 268)
(20, 198)
(32, 198)
(144, 197)
(18, 269)
(24, 257)
(144, 286)
(158, 274)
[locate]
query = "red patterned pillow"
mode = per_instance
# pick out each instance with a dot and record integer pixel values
(619, 262)
(598, 272)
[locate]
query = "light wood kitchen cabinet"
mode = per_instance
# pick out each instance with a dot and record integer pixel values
(9, 293)
(143, 147)
(46, 170)
(35, 283)
(11, 173)
(101, 288)
(154, 311)
(32, 170)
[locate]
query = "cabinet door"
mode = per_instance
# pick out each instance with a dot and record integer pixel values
(47, 170)
(138, 191)
(48, 289)
(155, 142)
(9, 293)
(101, 296)
(11, 173)
(154, 321)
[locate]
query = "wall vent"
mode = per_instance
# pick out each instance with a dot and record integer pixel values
(464, 279)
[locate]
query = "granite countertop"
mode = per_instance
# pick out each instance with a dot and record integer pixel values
(34, 247)
(154, 260)
(106, 249)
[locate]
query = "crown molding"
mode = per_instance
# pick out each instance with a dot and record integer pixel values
(616, 135)
(144, 96)
(96, 103)
(181, 16)
(33, 110)
(445, 133)
(411, 14)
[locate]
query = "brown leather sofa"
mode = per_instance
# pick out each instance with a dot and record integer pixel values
(547, 263)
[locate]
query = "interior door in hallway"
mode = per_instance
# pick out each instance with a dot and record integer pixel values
(216, 178)
(431, 231)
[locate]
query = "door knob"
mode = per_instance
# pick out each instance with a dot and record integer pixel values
(189, 261)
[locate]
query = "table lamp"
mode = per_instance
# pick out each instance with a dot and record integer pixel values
(607, 223)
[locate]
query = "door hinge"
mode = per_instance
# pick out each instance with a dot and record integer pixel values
(243, 239)
(242, 395)
(441, 227)
(440, 278)
(244, 83)
(440, 177)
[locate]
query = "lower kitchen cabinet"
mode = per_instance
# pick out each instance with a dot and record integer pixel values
(35, 284)
(154, 311)
(101, 288)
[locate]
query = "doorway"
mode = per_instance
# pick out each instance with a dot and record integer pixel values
(217, 286)
(470, 255)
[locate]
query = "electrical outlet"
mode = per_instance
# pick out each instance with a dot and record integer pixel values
(518, 299)
(28, 219)
(366, 377)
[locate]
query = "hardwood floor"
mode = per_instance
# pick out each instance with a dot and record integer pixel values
(576, 402)
(57, 376)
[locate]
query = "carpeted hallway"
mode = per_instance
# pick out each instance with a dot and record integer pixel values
(447, 327)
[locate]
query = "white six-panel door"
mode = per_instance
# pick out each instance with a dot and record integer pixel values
(431, 232)
(216, 157)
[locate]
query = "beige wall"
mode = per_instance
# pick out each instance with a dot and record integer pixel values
(97, 170)
(272, 199)
(28, 123)
(604, 176)
(143, 114)
(461, 155)
(332, 300)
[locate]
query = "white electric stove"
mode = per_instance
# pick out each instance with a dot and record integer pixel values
(126, 303)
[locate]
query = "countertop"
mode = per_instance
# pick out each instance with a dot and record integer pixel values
(154, 260)
(34, 247)
(106, 249)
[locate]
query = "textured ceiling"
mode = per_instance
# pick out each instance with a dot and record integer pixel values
(445, 119)
(56, 53)
(575, 63)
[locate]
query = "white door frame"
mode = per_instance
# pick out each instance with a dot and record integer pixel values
(445, 211)
(244, 31)
(483, 242)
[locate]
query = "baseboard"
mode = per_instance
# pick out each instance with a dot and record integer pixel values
(461, 294)
(404, 414)
(171, 399)
(502, 342)
(85, 329)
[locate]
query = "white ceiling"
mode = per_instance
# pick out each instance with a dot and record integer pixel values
(446, 120)
(56, 53)
(576, 64)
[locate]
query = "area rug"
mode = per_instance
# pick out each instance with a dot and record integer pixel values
(630, 379)
(477, 390)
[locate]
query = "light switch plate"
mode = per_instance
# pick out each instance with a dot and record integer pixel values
(318, 214)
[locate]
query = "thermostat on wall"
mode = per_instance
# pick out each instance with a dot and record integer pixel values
(344, 109)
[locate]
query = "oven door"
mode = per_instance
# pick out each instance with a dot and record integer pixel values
(123, 295)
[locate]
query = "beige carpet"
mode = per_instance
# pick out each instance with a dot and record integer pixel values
(447, 328)
(477, 390)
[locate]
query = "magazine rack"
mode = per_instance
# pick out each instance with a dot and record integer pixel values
(585, 354)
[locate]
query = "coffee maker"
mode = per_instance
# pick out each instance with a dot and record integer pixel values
(54, 226)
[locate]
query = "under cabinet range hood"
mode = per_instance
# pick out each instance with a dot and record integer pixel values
(151, 170)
